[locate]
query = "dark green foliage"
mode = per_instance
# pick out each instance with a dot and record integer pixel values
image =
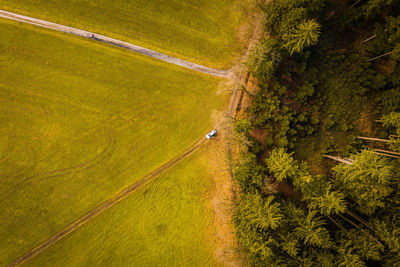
(317, 100)
(262, 214)
(387, 38)
(282, 165)
(302, 36)
(393, 120)
(348, 257)
(312, 231)
(264, 59)
(304, 92)
(361, 244)
(243, 126)
(368, 180)
(290, 244)
(317, 190)
(254, 217)
(323, 198)
(388, 101)
(249, 174)
(283, 15)
(374, 7)
(388, 230)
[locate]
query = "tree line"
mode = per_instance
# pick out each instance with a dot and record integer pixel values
(320, 96)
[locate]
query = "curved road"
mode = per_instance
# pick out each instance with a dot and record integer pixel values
(116, 42)
(107, 204)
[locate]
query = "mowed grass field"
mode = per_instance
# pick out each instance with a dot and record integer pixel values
(167, 223)
(209, 32)
(79, 121)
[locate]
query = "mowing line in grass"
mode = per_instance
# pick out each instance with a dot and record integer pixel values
(108, 204)
(60, 105)
(168, 222)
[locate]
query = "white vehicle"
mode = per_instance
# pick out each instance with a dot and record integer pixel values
(211, 134)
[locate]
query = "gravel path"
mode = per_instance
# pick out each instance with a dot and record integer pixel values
(116, 42)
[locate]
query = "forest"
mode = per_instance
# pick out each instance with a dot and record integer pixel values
(319, 143)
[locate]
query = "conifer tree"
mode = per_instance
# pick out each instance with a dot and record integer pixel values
(367, 180)
(324, 199)
(362, 244)
(312, 231)
(393, 120)
(249, 174)
(282, 164)
(304, 35)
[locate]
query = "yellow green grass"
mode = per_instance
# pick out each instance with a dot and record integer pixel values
(79, 121)
(167, 223)
(209, 32)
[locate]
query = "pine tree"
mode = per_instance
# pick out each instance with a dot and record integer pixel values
(264, 59)
(243, 126)
(282, 164)
(312, 231)
(388, 230)
(323, 198)
(249, 174)
(362, 244)
(306, 34)
(347, 257)
(290, 244)
(254, 218)
(367, 180)
(393, 120)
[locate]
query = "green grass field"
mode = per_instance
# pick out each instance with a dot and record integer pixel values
(205, 31)
(79, 121)
(167, 223)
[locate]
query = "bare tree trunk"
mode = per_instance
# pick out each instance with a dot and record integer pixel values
(383, 55)
(355, 4)
(342, 160)
(244, 89)
(387, 151)
(387, 155)
(374, 139)
(370, 38)
(230, 117)
(330, 14)
(358, 227)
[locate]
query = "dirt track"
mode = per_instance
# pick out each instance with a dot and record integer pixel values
(233, 103)
(107, 204)
(116, 42)
(117, 198)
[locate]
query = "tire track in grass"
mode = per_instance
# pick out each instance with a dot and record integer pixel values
(63, 171)
(115, 42)
(107, 204)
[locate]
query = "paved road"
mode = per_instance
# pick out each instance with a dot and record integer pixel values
(116, 42)
(107, 204)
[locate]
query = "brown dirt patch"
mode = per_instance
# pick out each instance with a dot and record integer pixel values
(221, 162)
(226, 245)
(260, 135)
(365, 123)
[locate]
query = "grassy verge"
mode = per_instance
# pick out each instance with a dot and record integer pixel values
(205, 31)
(167, 223)
(79, 121)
